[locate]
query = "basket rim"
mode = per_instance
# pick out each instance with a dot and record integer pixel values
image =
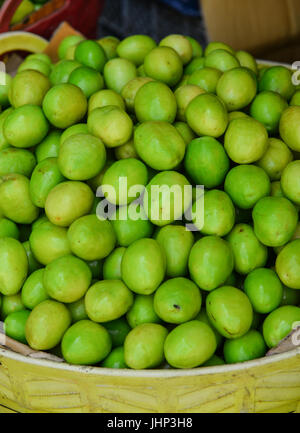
(129, 373)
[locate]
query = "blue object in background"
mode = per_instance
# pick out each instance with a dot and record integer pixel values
(186, 7)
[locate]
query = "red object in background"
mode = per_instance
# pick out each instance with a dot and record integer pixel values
(81, 14)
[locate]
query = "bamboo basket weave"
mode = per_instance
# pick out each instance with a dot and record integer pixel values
(270, 384)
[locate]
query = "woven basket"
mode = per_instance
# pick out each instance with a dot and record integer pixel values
(270, 384)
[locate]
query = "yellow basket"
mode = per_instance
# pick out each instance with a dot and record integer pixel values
(270, 384)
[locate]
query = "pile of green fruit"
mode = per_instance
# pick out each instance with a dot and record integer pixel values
(154, 291)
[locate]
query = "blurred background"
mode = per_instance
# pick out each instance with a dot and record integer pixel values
(156, 18)
(269, 29)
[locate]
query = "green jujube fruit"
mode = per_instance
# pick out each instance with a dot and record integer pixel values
(249, 346)
(213, 361)
(246, 184)
(267, 107)
(96, 266)
(277, 79)
(290, 181)
(212, 46)
(159, 145)
(295, 100)
(177, 300)
(219, 213)
(132, 172)
(290, 296)
(108, 300)
(58, 98)
(190, 344)
(264, 289)
(33, 291)
(48, 242)
(11, 304)
(130, 91)
(118, 72)
(288, 264)
(91, 238)
(176, 241)
(246, 140)
(279, 323)
(221, 59)
(112, 264)
(115, 359)
(142, 311)
(206, 162)
(67, 202)
(211, 262)
(230, 311)
(143, 266)
(180, 44)
(249, 253)
(196, 47)
(195, 64)
(118, 330)
(167, 197)
(8, 229)
(155, 102)
(205, 78)
(78, 128)
(4, 144)
(77, 310)
(106, 97)
(13, 266)
(184, 95)
(33, 264)
(62, 70)
(81, 157)
(14, 325)
(26, 126)
(276, 190)
(47, 324)
(135, 48)
(18, 161)
(289, 128)
(85, 343)
(49, 147)
(67, 279)
(237, 88)
(203, 317)
(127, 228)
(45, 176)
(144, 346)
(125, 151)
(111, 124)
(165, 65)
(87, 79)
(15, 200)
(247, 60)
(35, 64)
(276, 158)
(109, 45)
(275, 220)
(28, 88)
(89, 53)
(206, 115)
(66, 43)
